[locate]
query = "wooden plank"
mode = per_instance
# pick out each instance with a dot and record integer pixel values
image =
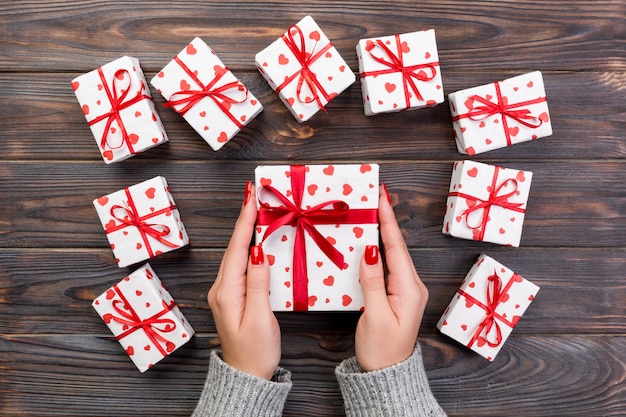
(51, 203)
(582, 290)
(91, 375)
(573, 35)
(587, 120)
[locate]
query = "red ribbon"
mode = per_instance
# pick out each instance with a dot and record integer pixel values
(396, 64)
(219, 95)
(130, 217)
(494, 199)
(305, 219)
(117, 96)
(495, 294)
(152, 326)
(521, 115)
(305, 74)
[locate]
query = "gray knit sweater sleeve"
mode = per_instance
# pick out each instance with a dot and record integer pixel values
(400, 390)
(229, 392)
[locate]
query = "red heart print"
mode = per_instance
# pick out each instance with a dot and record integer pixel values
(504, 298)
(331, 240)
(110, 225)
(155, 140)
(184, 85)
(266, 182)
(515, 88)
(513, 131)
(138, 293)
(329, 170)
(404, 47)
(364, 198)
(544, 117)
(75, 85)
(169, 346)
(481, 124)
(150, 192)
(161, 74)
(110, 294)
(464, 327)
(291, 100)
(347, 189)
(358, 232)
(369, 45)
(119, 76)
(488, 141)
(146, 348)
(365, 168)
(283, 238)
(329, 281)
(427, 55)
(531, 297)
(471, 284)
(222, 137)
(312, 300)
(202, 113)
(473, 172)
(130, 351)
(469, 103)
(342, 68)
(502, 231)
(319, 263)
(390, 87)
(139, 246)
(520, 176)
(517, 306)
(468, 302)
(346, 300)
(137, 114)
(103, 200)
(191, 50)
(288, 304)
(315, 35)
(311, 189)
(85, 109)
(530, 84)
(133, 138)
(287, 284)
(282, 59)
(481, 341)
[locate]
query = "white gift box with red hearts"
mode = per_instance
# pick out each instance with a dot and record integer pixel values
(144, 317)
(210, 98)
(351, 191)
(305, 69)
(141, 221)
(487, 203)
(399, 72)
(500, 114)
(487, 306)
(117, 104)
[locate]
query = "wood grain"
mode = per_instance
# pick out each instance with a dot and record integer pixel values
(566, 356)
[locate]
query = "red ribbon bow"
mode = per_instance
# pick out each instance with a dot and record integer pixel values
(152, 326)
(117, 97)
(494, 199)
(305, 219)
(130, 217)
(495, 295)
(219, 95)
(396, 64)
(513, 111)
(304, 74)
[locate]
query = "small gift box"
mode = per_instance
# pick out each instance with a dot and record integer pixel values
(209, 97)
(486, 307)
(305, 69)
(118, 106)
(500, 114)
(143, 317)
(399, 72)
(314, 222)
(141, 221)
(487, 203)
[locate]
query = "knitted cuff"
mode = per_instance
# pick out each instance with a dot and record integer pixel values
(229, 392)
(399, 390)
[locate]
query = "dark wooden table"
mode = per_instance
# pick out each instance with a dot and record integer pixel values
(566, 356)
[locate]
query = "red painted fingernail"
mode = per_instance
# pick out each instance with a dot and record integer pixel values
(256, 255)
(247, 193)
(371, 254)
(386, 193)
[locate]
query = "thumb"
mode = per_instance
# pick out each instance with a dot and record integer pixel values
(372, 280)
(258, 282)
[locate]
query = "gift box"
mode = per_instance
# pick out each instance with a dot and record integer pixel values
(500, 114)
(210, 98)
(305, 69)
(118, 106)
(486, 307)
(487, 203)
(141, 221)
(313, 223)
(399, 72)
(143, 317)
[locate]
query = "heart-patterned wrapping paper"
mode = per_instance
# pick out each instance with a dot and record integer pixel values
(305, 69)
(500, 114)
(400, 72)
(118, 106)
(144, 317)
(207, 94)
(351, 190)
(487, 306)
(141, 221)
(486, 203)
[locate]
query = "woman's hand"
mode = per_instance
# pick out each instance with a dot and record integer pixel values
(239, 298)
(387, 330)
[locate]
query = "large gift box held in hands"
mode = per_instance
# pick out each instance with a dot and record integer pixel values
(143, 317)
(117, 104)
(487, 306)
(210, 98)
(141, 221)
(487, 203)
(314, 222)
(500, 114)
(399, 72)
(305, 69)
